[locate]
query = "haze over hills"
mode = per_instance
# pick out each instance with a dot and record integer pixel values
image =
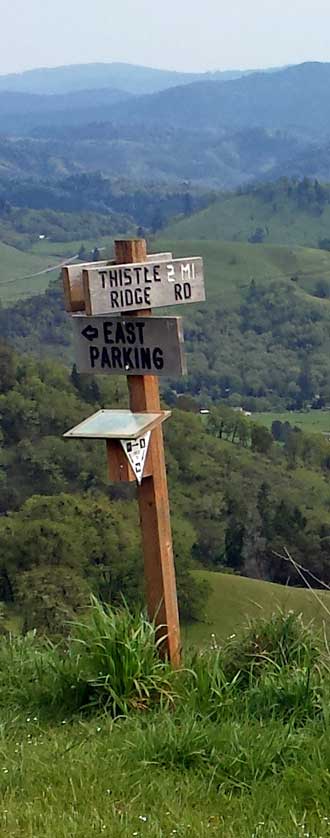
(24, 112)
(295, 99)
(257, 127)
(129, 78)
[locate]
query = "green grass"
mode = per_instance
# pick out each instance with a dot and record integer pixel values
(311, 421)
(242, 752)
(230, 267)
(92, 779)
(19, 269)
(234, 600)
(236, 217)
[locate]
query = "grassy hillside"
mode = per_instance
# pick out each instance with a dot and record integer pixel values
(267, 310)
(234, 601)
(237, 218)
(26, 273)
(311, 421)
(17, 268)
(230, 267)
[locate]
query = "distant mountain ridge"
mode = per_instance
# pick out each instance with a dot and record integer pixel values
(295, 99)
(129, 78)
(257, 127)
(22, 112)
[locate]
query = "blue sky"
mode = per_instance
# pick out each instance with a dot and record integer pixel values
(176, 34)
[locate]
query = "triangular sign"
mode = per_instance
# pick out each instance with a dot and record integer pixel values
(136, 452)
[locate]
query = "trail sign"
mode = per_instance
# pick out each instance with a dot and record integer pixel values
(151, 284)
(136, 452)
(72, 278)
(129, 346)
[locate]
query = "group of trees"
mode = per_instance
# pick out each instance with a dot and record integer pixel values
(239, 495)
(306, 193)
(83, 206)
(255, 536)
(270, 351)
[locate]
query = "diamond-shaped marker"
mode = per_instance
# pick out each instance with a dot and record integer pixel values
(136, 452)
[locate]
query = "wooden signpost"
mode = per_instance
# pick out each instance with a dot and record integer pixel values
(143, 347)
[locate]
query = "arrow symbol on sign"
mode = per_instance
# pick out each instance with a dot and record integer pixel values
(90, 333)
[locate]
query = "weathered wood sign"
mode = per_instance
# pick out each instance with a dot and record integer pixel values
(131, 346)
(72, 278)
(73, 285)
(151, 284)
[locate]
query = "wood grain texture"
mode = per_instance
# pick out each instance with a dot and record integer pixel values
(129, 345)
(72, 278)
(147, 284)
(76, 293)
(153, 501)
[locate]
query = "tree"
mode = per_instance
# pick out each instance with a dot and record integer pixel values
(261, 439)
(305, 382)
(234, 542)
(265, 509)
(82, 255)
(293, 447)
(322, 289)
(8, 368)
(258, 237)
(277, 430)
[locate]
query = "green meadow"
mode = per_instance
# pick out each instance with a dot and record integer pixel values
(229, 267)
(25, 273)
(311, 421)
(234, 601)
(236, 217)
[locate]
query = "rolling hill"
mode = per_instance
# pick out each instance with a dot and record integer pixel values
(283, 213)
(130, 78)
(229, 267)
(235, 600)
(260, 339)
(23, 274)
(294, 100)
(22, 112)
(259, 126)
(149, 154)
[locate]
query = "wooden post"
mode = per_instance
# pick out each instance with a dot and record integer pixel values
(153, 496)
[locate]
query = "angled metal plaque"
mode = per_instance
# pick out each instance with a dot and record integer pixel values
(129, 346)
(152, 284)
(117, 424)
(136, 452)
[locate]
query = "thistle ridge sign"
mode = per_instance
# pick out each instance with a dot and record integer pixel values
(133, 287)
